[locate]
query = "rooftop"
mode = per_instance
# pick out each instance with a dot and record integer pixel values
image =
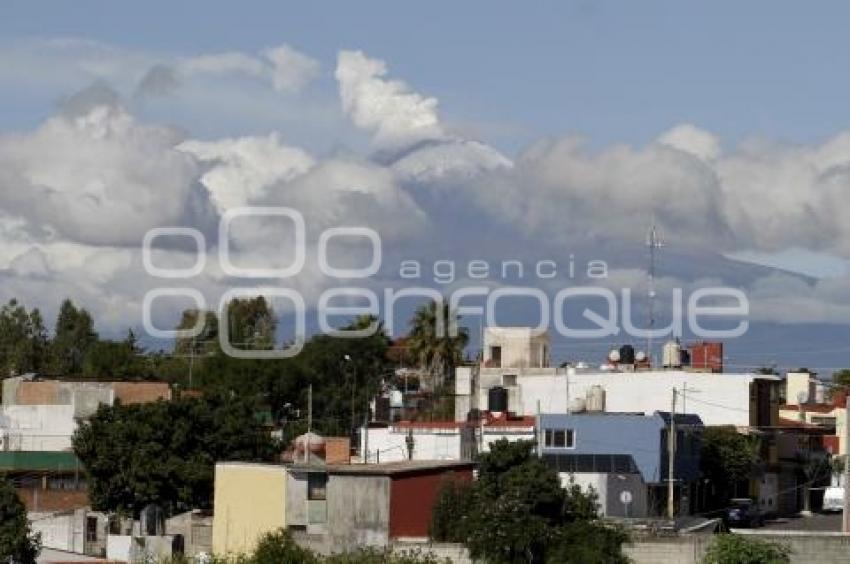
(59, 461)
(400, 467)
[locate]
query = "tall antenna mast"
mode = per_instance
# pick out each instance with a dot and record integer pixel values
(653, 241)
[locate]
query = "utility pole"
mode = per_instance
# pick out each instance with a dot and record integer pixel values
(366, 436)
(309, 422)
(671, 459)
(538, 431)
(845, 518)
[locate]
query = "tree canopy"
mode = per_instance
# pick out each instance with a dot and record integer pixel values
(165, 452)
(517, 512)
(17, 543)
(726, 459)
(23, 340)
(432, 343)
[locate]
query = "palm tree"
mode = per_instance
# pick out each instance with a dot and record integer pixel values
(437, 349)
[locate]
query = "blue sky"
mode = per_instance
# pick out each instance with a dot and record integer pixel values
(613, 71)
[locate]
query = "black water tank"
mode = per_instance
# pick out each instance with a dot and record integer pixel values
(627, 354)
(497, 399)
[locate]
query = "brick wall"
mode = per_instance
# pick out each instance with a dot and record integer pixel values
(37, 499)
(337, 450)
(38, 393)
(141, 392)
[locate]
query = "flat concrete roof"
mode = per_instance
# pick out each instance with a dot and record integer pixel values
(384, 468)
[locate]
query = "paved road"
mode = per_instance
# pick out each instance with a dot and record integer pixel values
(817, 522)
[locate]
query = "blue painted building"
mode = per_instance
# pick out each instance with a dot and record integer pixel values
(623, 452)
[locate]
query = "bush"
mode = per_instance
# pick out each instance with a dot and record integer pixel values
(588, 542)
(279, 548)
(739, 549)
(376, 556)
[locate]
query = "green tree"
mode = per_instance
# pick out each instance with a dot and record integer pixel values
(450, 507)
(727, 458)
(517, 512)
(842, 378)
(432, 342)
(165, 452)
(23, 340)
(202, 344)
(251, 323)
(73, 336)
(117, 360)
(17, 543)
(738, 549)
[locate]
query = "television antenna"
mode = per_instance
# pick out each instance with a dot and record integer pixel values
(653, 241)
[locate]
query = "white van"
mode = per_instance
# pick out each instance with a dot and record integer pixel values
(833, 499)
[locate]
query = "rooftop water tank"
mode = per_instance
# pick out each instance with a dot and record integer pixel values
(497, 399)
(671, 355)
(577, 405)
(596, 398)
(396, 399)
(627, 354)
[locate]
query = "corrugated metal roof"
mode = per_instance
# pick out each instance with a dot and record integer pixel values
(11, 461)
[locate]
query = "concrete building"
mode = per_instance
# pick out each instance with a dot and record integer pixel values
(76, 531)
(624, 458)
(42, 414)
(36, 427)
(517, 359)
(194, 529)
(743, 400)
(84, 396)
(807, 403)
(515, 347)
(338, 506)
(249, 501)
(443, 440)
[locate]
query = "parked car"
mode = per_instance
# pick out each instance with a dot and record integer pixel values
(833, 499)
(743, 512)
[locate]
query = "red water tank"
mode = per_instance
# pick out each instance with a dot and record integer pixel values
(707, 355)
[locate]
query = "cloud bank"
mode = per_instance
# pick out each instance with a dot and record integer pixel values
(79, 191)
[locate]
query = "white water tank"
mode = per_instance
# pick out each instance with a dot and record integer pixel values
(614, 356)
(596, 398)
(396, 399)
(820, 393)
(577, 405)
(671, 355)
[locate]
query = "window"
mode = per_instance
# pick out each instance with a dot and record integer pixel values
(496, 356)
(317, 486)
(509, 380)
(559, 438)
